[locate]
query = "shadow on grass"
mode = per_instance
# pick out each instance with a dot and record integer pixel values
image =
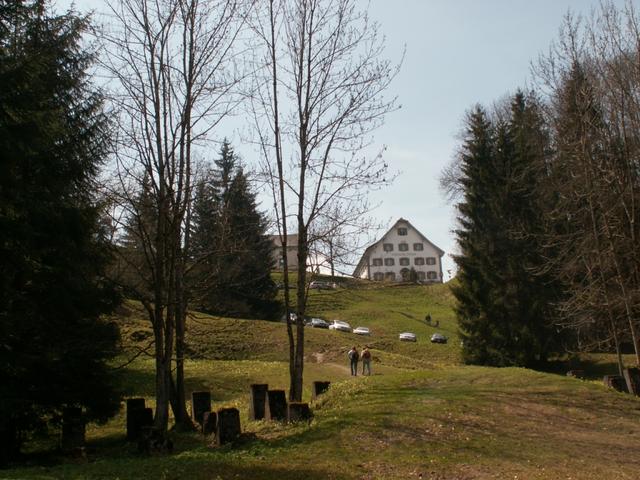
(141, 383)
(210, 464)
(593, 370)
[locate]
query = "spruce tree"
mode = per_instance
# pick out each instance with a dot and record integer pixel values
(234, 274)
(54, 347)
(474, 237)
(503, 297)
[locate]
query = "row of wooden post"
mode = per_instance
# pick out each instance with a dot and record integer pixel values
(264, 404)
(224, 423)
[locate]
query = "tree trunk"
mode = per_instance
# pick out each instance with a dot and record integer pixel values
(163, 376)
(331, 261)
(178, 393)
(295, 388)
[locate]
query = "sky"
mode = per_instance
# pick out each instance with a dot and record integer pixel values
(458, 53)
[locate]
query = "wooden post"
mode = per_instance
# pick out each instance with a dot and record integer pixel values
(134, 405)
(209, 423)
(257, 401)
(617, 382)
(200, 403)
(319, 387)
(228, 427)
(276, 405)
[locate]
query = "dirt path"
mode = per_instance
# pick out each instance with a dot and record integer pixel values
(320, 359)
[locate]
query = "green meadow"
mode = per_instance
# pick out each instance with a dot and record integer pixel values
(422, 414)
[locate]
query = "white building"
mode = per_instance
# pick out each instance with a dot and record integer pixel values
(292, 252)
(401, 249)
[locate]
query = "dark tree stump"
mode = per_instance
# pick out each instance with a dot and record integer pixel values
(228, 427)
(275, 405)
(73, 430)
(617, 382)
(134, 405)
(298, 412)
(632, 379)
(200, 403)
(209, 423)
(319, 387)
(257, 401)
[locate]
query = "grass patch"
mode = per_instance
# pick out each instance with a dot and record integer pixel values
(444, 422)
(420, 413)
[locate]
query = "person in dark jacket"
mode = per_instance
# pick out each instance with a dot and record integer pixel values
(354, 356)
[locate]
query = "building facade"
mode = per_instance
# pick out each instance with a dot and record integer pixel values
(400, 250)
(292, 252)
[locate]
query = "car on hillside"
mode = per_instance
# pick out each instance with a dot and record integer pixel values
(408, 337)
(362, 331)
(341, 326)
(318, 323)
(320, 285)
(438, 338)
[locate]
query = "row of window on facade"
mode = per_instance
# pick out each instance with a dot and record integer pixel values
(390, 262)
(405, 273)
(403, 247)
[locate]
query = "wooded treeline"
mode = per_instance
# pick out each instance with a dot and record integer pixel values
(111, 187)
(548, 188)
(55, 344)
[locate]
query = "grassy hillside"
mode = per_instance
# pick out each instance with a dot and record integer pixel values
(420, 413)
(387, 311)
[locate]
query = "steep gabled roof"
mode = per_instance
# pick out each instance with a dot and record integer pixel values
(438, 249)
(363, 260)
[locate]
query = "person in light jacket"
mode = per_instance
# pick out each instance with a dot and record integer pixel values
(366, 360)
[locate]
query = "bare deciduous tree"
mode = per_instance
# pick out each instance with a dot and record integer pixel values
(171, 77)
(593, 78)
(316, 104)
(336, 240)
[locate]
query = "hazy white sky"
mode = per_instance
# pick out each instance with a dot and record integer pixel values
(458, 53)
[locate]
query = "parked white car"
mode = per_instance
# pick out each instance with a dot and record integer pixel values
(320, 285)
(362, 331)
(408, 337)
(341, 326)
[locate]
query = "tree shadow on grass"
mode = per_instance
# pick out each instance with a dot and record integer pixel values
(201, 465)
(593, 370)
(141, 383)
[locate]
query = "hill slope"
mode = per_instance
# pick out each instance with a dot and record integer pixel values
(420, 413)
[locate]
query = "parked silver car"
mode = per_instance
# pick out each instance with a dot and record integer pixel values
(408, 337)
(341, 326)
(438, 338)
(362, 331)
(318, 323)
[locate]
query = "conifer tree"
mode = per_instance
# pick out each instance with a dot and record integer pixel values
(234, 277)
(528, 292)
(54, 347)
(473, 292)
(503, 298)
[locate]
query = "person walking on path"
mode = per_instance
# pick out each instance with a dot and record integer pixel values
(366, 360)
(353, 359)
